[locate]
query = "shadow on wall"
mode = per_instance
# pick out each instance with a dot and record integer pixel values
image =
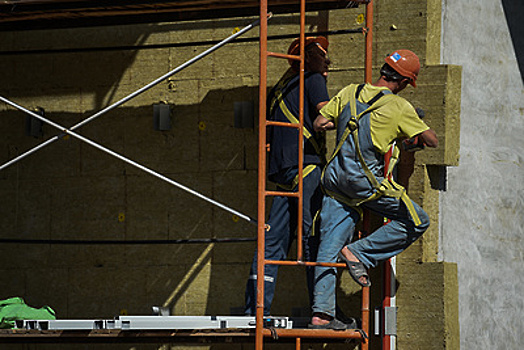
(95, 61)
(72, 191)
(514, 12)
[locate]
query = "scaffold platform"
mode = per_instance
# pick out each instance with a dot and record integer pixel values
(170, 329)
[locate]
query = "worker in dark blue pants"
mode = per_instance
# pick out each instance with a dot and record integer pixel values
(282, 225)
(283, 106)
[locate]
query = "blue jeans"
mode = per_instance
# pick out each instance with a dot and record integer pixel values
(336, 231)
(283, 224)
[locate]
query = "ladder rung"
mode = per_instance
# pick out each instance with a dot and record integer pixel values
(281, 193)
(283, 55)
(276, 333)
(284, 124)
(303, 263)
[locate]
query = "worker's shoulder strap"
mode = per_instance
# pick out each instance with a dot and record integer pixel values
(371, 104)
(387, 187)
(278, 99)
(373, 100)
(277, 93)
(352, 123)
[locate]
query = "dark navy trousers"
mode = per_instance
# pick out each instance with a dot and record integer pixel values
(283, 225)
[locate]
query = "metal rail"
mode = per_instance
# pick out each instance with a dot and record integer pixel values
(259, 340)
(368, 69)
(262, 192)
(134, 94)
(187, 336)
(168, 45)
(389, 288)
(127, 160)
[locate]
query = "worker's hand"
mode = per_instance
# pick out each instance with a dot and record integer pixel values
(413, 144)
(428, 138)
(322, 124)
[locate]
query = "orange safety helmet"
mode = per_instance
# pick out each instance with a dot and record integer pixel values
(295, 45)
(405, 63)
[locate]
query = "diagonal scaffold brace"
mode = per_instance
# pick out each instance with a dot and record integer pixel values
(133, 94)
(70, 131)
(127, 160)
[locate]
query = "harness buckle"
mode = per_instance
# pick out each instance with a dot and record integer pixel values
(352, 124)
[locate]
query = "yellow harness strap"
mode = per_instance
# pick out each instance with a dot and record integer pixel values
(307, 170)
(279, 99)
(387, 187)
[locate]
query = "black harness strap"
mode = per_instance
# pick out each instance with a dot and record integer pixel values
(359, 89)
(373, 100)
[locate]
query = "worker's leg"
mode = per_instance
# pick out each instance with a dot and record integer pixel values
(393, 238)
(281, 222)
(336, 229)
(277, 242)
(312, 196)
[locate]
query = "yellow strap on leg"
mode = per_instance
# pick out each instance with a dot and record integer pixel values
(407, 201)
(307, 170)
(314, 224)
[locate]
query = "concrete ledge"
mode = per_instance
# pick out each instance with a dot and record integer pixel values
(427, 300)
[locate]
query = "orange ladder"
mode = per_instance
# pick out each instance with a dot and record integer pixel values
(263, 193)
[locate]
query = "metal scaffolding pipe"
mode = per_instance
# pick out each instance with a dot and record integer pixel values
(134, 94)
(262, 94)
(127, 160)
(312, 333)
(300, 187)
(368, 69)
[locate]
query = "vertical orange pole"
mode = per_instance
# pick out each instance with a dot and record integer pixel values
(386, 302)
(300, 206)
(259, 339)
(365, 299)
(368, 65)
(368, 69)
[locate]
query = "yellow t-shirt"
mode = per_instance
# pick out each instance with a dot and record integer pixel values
(395, 119)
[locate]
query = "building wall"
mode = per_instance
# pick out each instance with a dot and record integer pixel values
(481, 207)
(70, 190)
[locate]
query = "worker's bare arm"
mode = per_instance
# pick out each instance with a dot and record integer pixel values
(429, 138)
(320, 105)
(321, 123)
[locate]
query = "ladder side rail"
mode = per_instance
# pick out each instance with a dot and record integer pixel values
(300, 190)
(388, 300)
(262, 194)
(259, 335)
(368, 66)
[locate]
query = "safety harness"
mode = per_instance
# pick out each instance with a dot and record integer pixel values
(278, 100)
(387, 187)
